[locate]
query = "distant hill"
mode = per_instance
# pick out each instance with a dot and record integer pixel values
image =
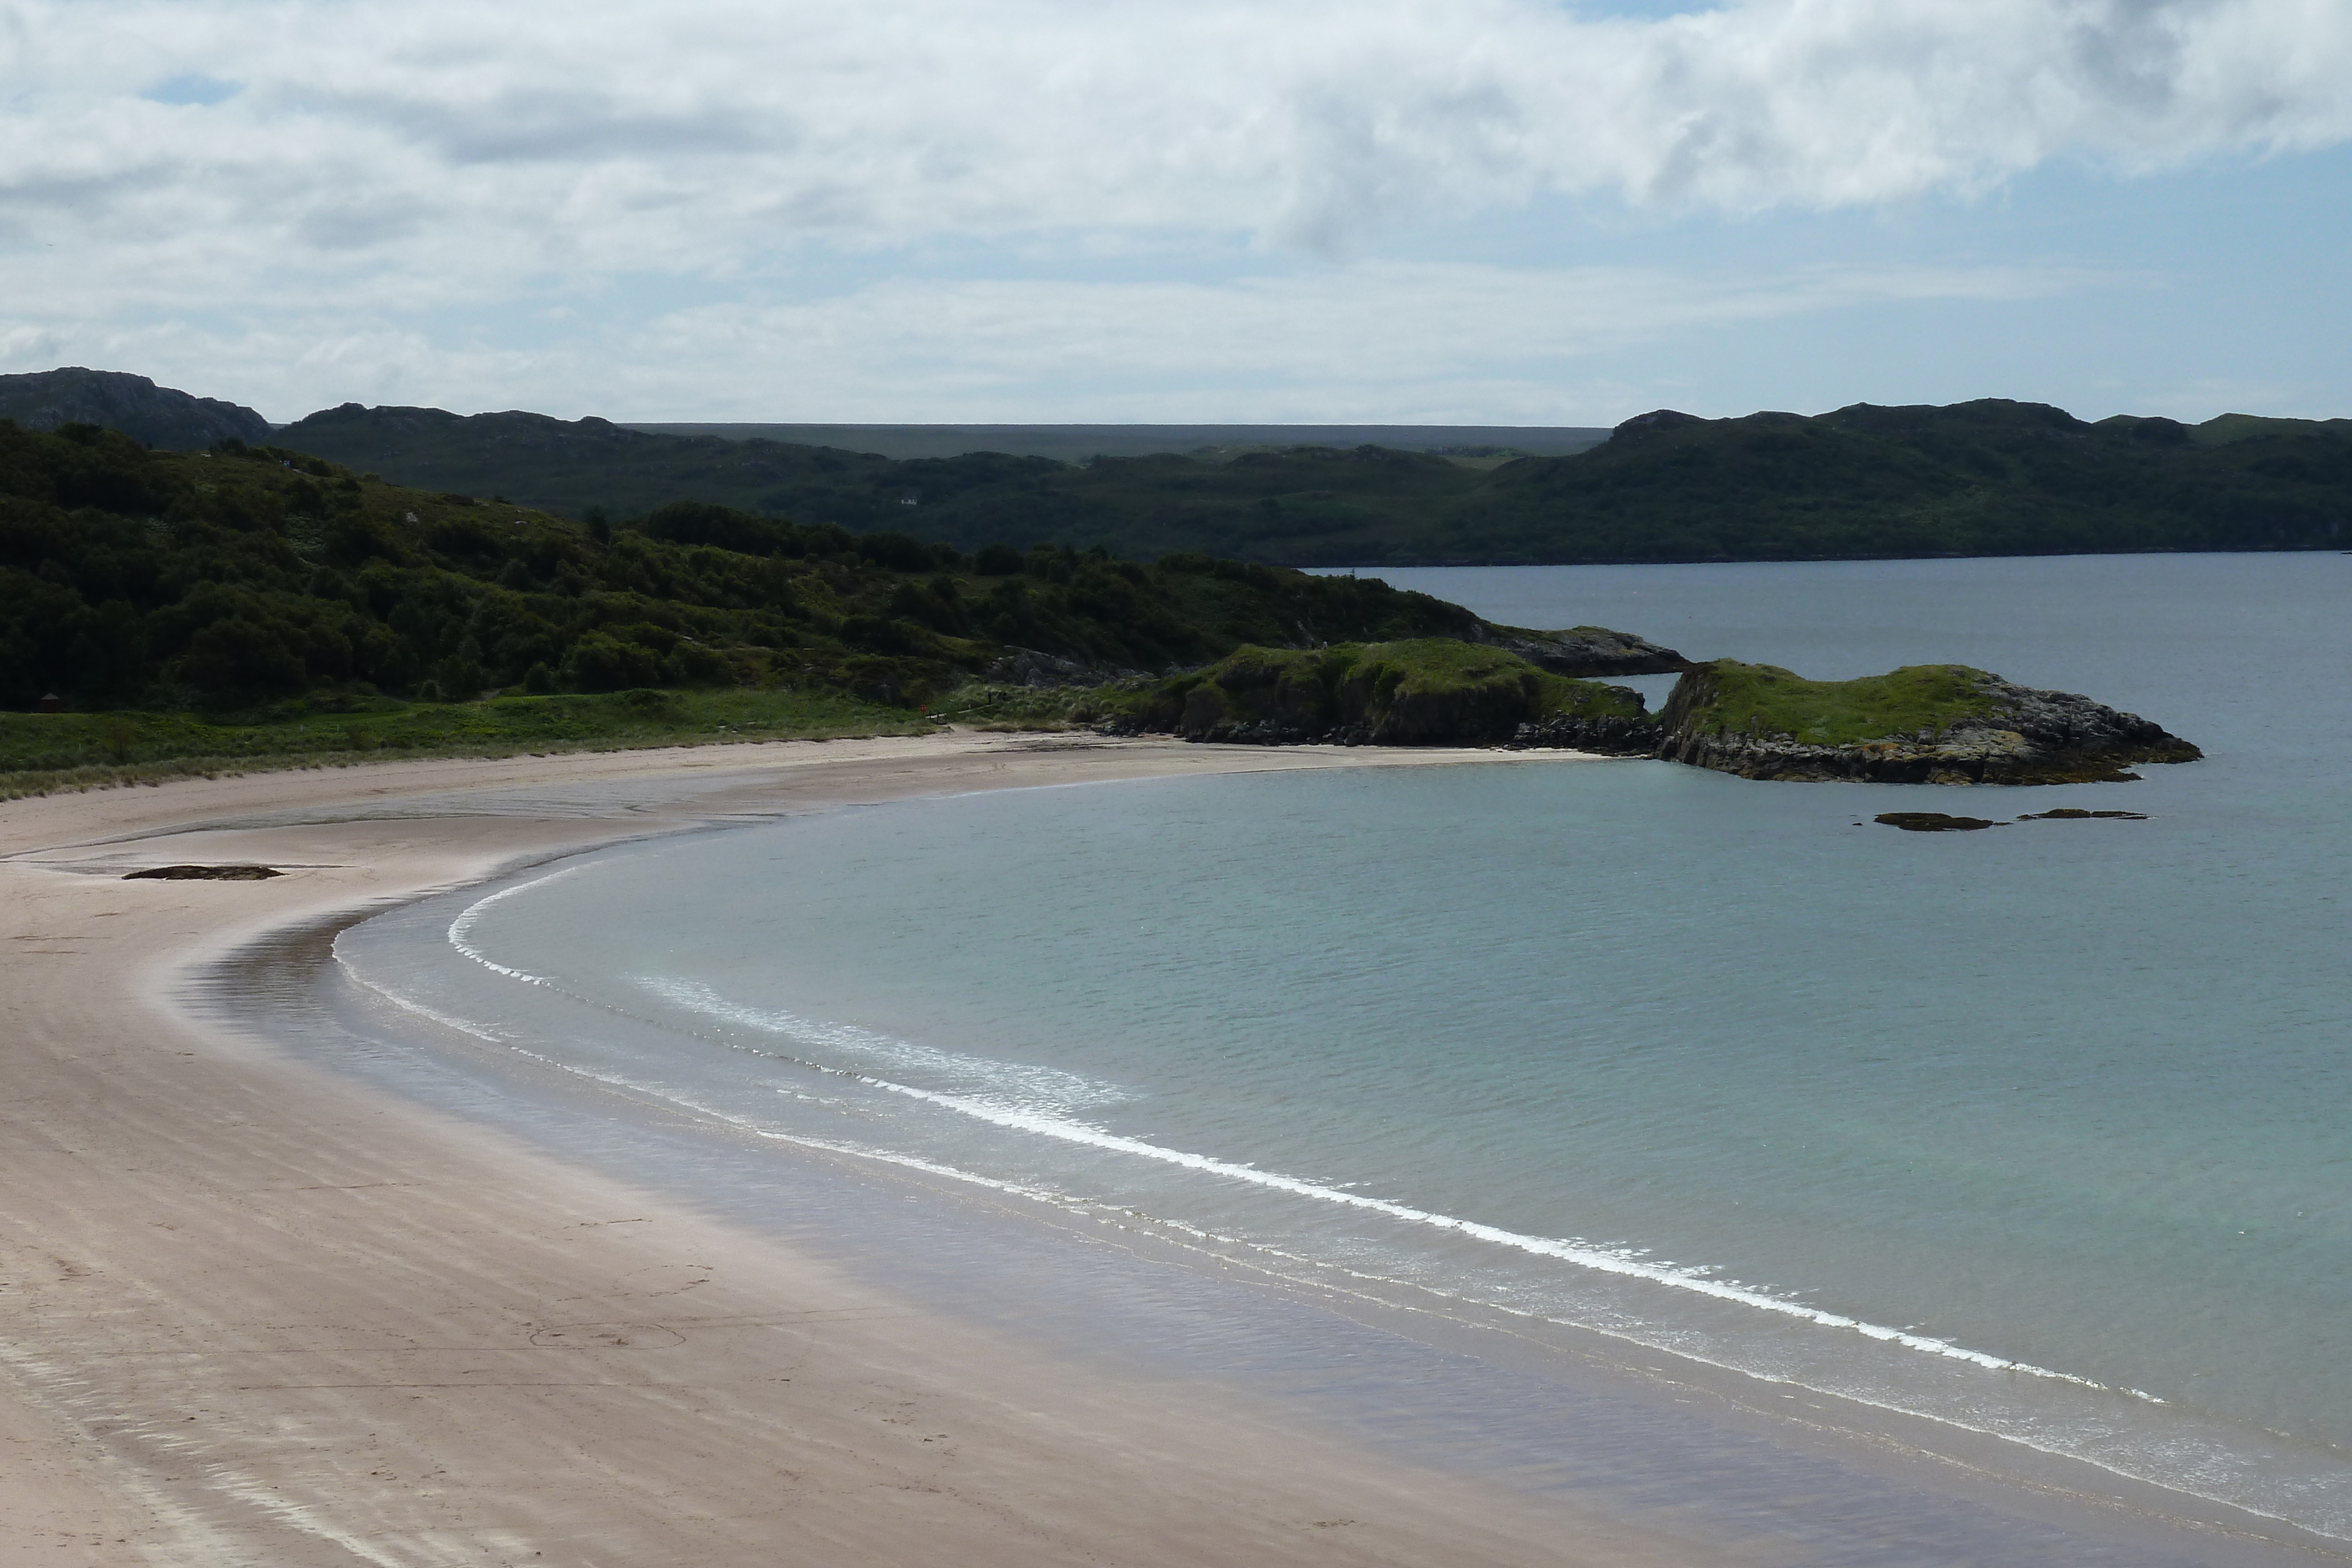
(579, 466)
(2223, 428)
(1990, 477)
(158, 416)
(1079, 443)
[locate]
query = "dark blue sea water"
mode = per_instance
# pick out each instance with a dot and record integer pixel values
(2044, 1131)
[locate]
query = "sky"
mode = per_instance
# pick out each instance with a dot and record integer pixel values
(1486, 212)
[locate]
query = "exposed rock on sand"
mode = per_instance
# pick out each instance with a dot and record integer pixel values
(203, 874)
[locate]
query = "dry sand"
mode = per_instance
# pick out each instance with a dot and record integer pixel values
(253, 1312)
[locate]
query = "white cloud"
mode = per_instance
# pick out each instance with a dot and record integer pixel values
(480, 144)
(332, 175)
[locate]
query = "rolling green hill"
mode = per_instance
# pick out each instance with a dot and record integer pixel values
(1990, 477)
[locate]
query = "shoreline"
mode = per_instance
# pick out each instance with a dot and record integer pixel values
(267, 1312)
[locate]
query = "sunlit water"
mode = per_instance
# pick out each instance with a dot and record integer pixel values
(2042, 1131)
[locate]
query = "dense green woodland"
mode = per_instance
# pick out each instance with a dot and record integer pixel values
(1990, 477)
(248, 575)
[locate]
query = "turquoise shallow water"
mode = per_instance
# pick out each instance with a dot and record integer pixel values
(2040, 1131)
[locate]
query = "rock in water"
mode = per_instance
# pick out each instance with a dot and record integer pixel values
(1925, 724)
(1934, 822)
(132, 404)
(2076, 814)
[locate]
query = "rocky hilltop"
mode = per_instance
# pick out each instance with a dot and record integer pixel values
(1925, 724)
(158, 416)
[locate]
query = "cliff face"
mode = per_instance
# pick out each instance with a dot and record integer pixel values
(158, 416)
(1927, 724)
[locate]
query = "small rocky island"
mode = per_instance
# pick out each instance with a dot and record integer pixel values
(1925, 723)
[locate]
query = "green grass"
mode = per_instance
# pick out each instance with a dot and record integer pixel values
(1733, 698)
(1430, 666)
(48, 753)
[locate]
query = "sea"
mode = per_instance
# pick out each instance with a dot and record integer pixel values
(2040, 1134)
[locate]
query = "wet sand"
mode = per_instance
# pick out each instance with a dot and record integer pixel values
(254, 1311)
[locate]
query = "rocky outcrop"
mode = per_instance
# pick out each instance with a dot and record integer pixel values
(1030, 667)
(1582, 651)
(1425, 692)
(1941, 822)
(132, 404)
(2076, 814)
(1988, 731)
(1611, 735)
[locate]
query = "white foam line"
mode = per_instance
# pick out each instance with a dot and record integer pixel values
(1542, 1246)
(1035, 1085)
(1067, 1131)
(464, 925)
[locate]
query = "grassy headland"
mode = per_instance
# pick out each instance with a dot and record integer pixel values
(1925, 724)
(1917, 702)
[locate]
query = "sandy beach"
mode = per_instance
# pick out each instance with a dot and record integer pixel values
(259, 1314)
(255, 1312)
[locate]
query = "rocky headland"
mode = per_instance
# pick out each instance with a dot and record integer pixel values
(1427, 691)
(1925, 723)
